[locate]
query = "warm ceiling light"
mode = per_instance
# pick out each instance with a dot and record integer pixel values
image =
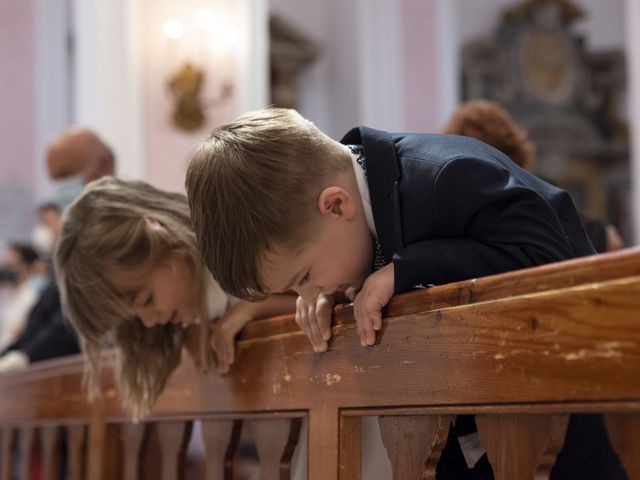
(206, 18)
(173, 29)
(228, 35)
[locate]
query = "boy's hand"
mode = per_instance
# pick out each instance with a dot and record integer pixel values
(315, 320)
(369, 302)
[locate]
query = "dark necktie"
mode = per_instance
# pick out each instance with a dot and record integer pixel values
(378, 260)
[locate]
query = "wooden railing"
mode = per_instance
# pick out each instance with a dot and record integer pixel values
(520, 350)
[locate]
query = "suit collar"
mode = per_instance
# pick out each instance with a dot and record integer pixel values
(383, 176)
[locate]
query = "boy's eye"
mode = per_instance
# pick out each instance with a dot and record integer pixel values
(304, 279)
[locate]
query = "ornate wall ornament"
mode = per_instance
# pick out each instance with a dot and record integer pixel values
(291, 52)
(566, 96)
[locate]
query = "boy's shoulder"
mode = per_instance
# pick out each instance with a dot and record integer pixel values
(425, 148)
(441, 148)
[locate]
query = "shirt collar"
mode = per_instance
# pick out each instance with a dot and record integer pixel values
(363, 189)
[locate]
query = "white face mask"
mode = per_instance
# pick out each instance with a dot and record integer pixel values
(42, 240)
(38, 283)
(67, 189)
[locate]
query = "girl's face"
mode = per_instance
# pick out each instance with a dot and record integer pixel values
(168, 295)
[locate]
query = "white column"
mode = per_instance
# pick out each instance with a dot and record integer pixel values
(107, 77)
(253, 55)
(381, 64)
(633, 71)
(448, 67)
(52, 83)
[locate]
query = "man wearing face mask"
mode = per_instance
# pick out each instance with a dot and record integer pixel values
(75, 158)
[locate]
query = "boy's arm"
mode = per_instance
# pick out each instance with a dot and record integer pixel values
(225, 328)
(489, 223)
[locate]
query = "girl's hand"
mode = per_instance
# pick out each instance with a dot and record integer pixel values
(225, 328)
(223, 339)
(192, 344)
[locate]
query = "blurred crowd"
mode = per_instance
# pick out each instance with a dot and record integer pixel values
(32, 326)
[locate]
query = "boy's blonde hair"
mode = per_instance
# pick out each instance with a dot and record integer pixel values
(253, 187)
(113, 228)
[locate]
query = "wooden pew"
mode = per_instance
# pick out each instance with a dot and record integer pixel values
(520, 350)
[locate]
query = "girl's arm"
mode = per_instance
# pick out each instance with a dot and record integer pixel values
(225, 328)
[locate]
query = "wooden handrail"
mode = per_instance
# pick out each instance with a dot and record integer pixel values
(559, 338)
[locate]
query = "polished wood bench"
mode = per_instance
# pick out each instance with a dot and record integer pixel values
(520, 350)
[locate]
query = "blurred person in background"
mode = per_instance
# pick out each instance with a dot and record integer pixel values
(586, 434)
(75, 158)
(489, 122)
(21, 292)
(45, 231)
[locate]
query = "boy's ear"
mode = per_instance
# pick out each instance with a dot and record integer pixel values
(336, 202)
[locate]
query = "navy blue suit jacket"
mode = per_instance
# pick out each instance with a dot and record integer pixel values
(448, 208)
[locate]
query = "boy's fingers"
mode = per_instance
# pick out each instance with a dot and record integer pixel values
(225, 354)
(368, 334)
(323, 315)
(218, 348)
(368, 319)
(223, 367)
(360, 322)
(316, 336)
(375, 319)
(221, 363)
(303, 322)
(305, 325)
(232, 352)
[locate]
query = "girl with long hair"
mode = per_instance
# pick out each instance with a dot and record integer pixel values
(131, 276)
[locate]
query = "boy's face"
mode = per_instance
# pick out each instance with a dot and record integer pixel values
(337, 256)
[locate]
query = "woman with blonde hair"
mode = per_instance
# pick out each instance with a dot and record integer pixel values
(130, 274)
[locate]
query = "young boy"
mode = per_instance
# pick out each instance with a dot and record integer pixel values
(279, 206)
(296, 210)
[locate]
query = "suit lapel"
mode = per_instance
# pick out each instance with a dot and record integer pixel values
(383, 176)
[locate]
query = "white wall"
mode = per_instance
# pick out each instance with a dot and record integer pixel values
(328, 87)
(377, 64)
(53, 82)
(17, 119)
(124, 62)
(106, 82)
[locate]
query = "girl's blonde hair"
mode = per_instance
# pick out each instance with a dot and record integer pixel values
(113, 228)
